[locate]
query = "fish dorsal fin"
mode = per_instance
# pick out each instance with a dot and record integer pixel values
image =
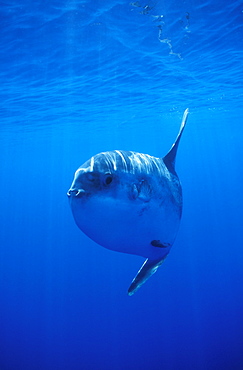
(170, 157)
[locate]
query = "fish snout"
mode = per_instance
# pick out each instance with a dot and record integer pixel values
(75, 192)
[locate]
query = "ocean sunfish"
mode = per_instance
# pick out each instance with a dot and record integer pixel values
(130, 202)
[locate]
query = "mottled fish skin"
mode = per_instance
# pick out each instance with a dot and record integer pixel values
(130, 202)
(142, 203)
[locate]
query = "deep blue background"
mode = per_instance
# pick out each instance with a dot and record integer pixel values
(80, 77)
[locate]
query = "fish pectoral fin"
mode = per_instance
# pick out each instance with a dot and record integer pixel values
(148, 269)
(141, 191)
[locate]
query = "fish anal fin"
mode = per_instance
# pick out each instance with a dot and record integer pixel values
(148, 269)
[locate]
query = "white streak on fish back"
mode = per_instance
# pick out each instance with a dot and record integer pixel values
(123, 159)
(92, 164)
(110, 160)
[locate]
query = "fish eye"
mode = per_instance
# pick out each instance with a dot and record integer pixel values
(108, 179)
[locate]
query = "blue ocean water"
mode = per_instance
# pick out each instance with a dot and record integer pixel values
(81, 77)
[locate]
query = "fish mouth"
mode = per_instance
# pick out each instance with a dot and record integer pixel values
(76, 192)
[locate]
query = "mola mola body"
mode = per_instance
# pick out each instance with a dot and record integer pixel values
(130, 202)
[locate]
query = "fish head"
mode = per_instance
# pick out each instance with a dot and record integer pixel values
(99, 199)
(88, 182)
